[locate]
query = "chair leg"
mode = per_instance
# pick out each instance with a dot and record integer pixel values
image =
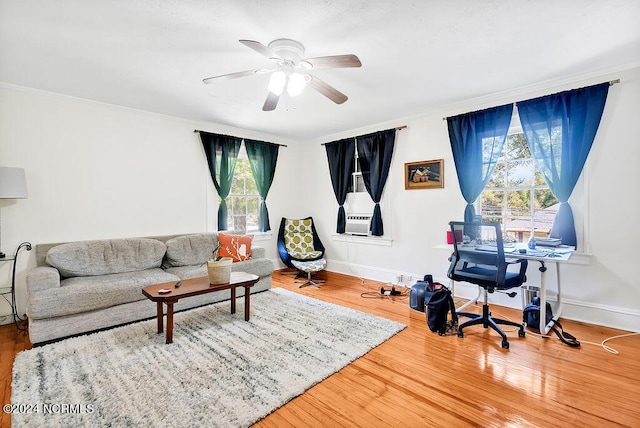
(488, 322)
(309, 281)
(460, 310)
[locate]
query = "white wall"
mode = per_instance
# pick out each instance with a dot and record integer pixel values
(98, 171)
(599, 287)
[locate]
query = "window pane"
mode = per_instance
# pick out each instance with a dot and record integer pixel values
(516, 147)
(237, 185)
(239, 206)
(229, 201)
(520, 172)
(517, 229)
(360, 184)
(253, 205)
(519, 202)
(250, 186)
(499, 175)
(240, 223)
(243, 202)
(492, 205)
(545, 199)
(539, 179)
(517, 195)
(545, 211)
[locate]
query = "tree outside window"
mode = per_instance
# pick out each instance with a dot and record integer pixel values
(517, 195)
(243, 201)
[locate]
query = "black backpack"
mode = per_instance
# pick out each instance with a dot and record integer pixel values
(435, 300)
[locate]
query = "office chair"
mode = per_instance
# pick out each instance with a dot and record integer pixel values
(298, 240)
(486, 267)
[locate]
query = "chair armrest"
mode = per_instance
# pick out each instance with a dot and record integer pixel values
(258, 252)
(524, 263)
(42, 278)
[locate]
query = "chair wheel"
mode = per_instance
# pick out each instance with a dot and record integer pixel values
(521, 332)
(505, 344)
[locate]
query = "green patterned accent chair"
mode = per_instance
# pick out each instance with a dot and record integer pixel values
(298, 240)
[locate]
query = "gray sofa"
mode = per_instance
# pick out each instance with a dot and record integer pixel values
(84, 286)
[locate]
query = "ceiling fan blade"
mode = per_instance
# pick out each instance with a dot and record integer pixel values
(232, 75)
(271, 102)
(335, 61)
(327, 90)
(260, 48)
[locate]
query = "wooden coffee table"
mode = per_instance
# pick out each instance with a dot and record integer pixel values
(194, 287)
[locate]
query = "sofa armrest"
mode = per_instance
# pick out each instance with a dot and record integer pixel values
(257, 252)
(42, 278)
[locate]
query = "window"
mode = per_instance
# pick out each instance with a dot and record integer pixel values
(517, 195)
(243, 202)
(357, 182)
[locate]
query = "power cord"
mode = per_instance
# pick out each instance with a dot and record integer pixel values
(602, 344)
(607, 347)
(392, 293)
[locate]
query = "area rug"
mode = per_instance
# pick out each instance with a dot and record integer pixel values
(219, 371)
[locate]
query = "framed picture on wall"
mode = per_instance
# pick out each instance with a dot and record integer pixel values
(424, 175)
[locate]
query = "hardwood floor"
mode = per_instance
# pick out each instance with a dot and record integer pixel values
(418, 378)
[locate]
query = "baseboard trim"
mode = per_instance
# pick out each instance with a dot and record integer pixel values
(576, 310)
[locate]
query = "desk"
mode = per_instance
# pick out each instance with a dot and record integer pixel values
(543, 255)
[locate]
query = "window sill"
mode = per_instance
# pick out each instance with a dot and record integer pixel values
(367, 240)
(257, 236)
(262, 236)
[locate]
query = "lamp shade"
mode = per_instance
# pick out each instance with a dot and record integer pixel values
(13, 183)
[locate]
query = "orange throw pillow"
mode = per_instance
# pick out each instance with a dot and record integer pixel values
(238, 247)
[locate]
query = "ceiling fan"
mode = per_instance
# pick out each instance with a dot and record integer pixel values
(292, 71)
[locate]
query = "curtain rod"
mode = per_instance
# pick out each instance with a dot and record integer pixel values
(281, 145)
(611, 83)
(397, 128)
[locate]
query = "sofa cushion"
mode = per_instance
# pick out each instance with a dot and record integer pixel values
(106, 257)
(190, 250)
(88, 293)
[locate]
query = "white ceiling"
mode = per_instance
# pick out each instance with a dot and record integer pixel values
(416, 56)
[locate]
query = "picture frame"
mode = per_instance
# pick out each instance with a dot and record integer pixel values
(427, 174)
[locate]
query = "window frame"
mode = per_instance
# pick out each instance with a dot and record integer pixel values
(580, 194)
(231, 215)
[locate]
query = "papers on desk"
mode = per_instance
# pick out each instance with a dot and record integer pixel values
(556, 252)
(563, 249)
(494, 249)
(538, 253)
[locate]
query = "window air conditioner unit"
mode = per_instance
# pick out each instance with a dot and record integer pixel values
(358, 224)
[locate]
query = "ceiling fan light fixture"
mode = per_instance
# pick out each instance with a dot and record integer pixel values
(296, 84)
(292, 70)
(277, 82)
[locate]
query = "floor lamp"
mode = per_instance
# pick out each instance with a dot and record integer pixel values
(13, 185)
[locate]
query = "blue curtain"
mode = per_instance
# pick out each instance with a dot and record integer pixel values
(340, 155)
(262, 158)
(560, 130)
(477, 140)
(374, 154)
(222, 154)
